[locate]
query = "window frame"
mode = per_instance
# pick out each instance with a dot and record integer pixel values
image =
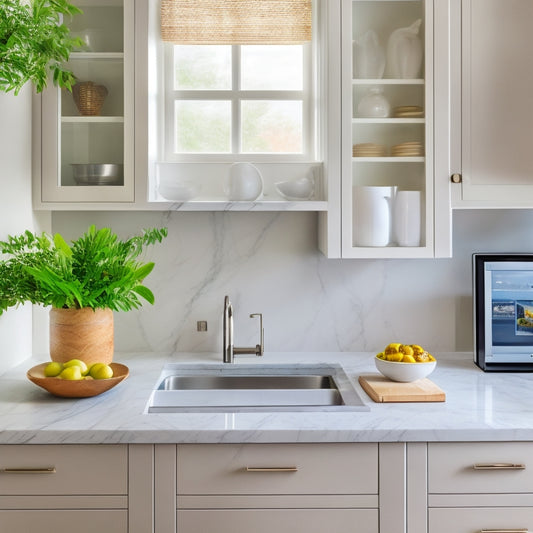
(235, 96)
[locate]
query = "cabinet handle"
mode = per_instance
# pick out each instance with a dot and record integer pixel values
(271, 469)
(50, 470)
(499, 466)
(456, 178)
(519, 530)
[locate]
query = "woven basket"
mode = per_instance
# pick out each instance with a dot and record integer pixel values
(89, 98)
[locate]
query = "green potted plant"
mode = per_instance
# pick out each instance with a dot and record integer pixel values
(83, 282)
(34, 41)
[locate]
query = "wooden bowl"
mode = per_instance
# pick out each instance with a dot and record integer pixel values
(83, 388)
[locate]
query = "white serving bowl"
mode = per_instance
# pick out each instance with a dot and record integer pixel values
(405, 372)
(179, 191)
(300, 189)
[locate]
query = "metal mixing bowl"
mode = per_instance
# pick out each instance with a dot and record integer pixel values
(98, 173)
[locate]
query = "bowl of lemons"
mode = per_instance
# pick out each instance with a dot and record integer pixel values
(405, 362)
(76, 379)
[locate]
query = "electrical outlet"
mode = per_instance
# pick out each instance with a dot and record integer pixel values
(201, 325)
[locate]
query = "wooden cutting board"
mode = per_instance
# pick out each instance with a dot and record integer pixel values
(382, 389)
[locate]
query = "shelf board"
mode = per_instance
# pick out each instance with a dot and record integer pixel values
(388, 159)
(98, 56)
(261, 205)
(92, 119)
(99, 3)
(388, 120)
(388, 81)
(373, 1)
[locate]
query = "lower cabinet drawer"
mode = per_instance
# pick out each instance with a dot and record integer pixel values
(278, 521)
(480, 468)
(54, 521)
(63, 469)
(476, 520)
(334, 468)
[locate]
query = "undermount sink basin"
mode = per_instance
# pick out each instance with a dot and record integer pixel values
(240, 387)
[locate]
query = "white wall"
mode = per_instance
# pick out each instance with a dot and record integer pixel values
(16, 214)
(269, 263)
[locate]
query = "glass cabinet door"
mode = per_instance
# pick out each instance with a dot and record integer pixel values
(87, 147)
(387, 143)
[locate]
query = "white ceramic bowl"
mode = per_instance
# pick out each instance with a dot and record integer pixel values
(300, 189)
(180, 191)
(405, 372)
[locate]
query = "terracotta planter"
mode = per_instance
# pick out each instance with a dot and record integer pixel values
(84, 334)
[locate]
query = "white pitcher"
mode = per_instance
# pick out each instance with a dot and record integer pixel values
(372, 215)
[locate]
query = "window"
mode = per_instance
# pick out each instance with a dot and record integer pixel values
(238, 102)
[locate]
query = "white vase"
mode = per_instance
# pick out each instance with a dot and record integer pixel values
(374, 104)
(368, 56)
(405, 52)
(244, 183)
(406, 218)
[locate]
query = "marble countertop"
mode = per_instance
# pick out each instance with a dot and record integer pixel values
(479, 407)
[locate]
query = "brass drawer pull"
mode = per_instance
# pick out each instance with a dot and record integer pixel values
(50, 470)
(271, 469)
(500, 466)
(519, 530)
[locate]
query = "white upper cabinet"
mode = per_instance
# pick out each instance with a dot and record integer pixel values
(496, 125)
(388, 207)
(87, 136)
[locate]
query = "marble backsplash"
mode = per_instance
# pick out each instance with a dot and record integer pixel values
(269, 263)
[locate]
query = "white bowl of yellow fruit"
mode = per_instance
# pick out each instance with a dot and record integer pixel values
(405, 362)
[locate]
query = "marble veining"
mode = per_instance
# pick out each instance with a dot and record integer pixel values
(479, 407)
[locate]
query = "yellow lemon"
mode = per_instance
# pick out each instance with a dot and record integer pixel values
(53, 369)
(394, 347)
(77, 362)
(407, 358)
(406, 349)
(102, 372)
(396, 356)
(71, 373)
(94, 368)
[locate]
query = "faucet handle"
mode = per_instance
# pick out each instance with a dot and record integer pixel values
(260, 348)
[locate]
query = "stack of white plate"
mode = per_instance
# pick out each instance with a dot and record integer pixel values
(369, 150)
(408, 149)
(408, 111)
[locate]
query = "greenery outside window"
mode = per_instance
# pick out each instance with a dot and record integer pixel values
(238, 102)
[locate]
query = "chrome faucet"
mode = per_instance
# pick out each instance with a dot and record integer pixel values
(228, 350)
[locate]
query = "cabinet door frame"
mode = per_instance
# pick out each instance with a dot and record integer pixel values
(47, 189)
(470, 192)
(428, 247)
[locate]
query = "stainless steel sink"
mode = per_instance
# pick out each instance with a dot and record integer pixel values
(241, 388)
(207, 382)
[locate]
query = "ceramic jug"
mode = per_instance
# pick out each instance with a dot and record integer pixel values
(368, 56)
(372, 215)
(404, 52)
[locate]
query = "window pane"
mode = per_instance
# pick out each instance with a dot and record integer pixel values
(202, 126)
(199, 67)
(270, 126)
(272, 67)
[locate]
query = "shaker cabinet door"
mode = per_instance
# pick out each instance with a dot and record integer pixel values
(497, 104)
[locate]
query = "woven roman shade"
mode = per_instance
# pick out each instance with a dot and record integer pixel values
(236, 21)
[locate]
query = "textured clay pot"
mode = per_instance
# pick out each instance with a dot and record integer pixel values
(84, 334)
